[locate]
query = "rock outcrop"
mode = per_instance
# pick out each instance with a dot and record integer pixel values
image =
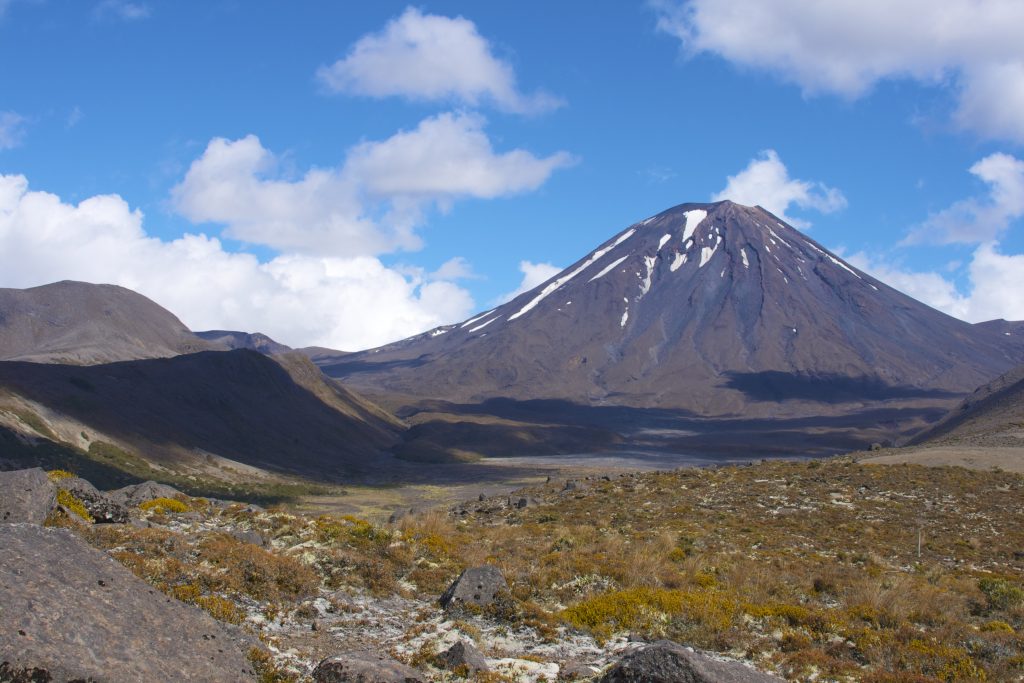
(26, 496)
(71, 613)
(669, 662)
(365, 667)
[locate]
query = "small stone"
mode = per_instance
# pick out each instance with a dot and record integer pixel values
(463, 654)
(522, 503)
(575, 671)
(365, 667)
(481, 498)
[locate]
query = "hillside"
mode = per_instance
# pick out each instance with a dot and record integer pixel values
(991, 416)
(78, 323)
(206, 413)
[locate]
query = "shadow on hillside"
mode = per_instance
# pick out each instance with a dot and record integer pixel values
(782, 386)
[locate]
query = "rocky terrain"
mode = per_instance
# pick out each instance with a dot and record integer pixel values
(806, 571)
(696, 324)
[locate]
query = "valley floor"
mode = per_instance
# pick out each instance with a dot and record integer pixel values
(817, 571)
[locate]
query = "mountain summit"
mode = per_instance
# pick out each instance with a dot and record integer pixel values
(713, 308)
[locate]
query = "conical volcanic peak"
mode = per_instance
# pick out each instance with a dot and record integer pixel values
(710, 308)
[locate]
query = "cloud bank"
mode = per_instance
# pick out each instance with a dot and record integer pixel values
(340, 302)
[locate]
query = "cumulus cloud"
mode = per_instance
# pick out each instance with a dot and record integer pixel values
(433, 58)
(995, 283)
(534, 274)
(341, 302)
(232, 183)
(980, 219)
(372, 203)
(847, 46)
(766, 182)
(12, 128)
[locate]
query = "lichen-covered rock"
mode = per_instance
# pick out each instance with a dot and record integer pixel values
(101, 507)
(70, 612)
(26, 496)
(669, 662)
(134, 495)
(477, 587)
(463, 657)
(365, 667)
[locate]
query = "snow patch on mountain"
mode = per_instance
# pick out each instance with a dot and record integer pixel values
(553, 286)
(693, 219)
(609, 268)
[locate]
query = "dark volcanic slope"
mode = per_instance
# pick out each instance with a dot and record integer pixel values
(254, 341)
(279, 413)
(85, 324)
(714, 309)
(992, 415)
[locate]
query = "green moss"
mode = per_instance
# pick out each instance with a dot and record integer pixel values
(58, 475)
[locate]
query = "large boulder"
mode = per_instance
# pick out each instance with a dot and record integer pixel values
(478, 587)
(669, 662)
(26, 496)
(134, 495)
(365, 667)
(68, 612)
(101, 507)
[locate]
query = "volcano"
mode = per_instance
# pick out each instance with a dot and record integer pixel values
(704, 311)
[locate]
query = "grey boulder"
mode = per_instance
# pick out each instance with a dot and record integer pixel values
(669, 662)
(364, 667)
(477, 587)
(134, 495)
(463, 655)
(101, 507)
(71, 613)
(26, 496)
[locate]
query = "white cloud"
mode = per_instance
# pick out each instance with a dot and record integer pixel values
(430, 57)
(995, 283)
(122, 9)
(766, 182)
(347, 303)
(448, 156)
(534, 274)
(847, 46)
(980, 219)
(12, 128)
(372, 204)
(456, 268)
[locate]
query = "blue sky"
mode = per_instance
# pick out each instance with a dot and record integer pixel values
(346, 174)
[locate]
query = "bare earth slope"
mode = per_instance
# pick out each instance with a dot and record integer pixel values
(84, 324)
(716, 311)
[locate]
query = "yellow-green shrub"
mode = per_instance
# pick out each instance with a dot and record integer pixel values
(163, 505)
(57, 475)
(72, 503)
